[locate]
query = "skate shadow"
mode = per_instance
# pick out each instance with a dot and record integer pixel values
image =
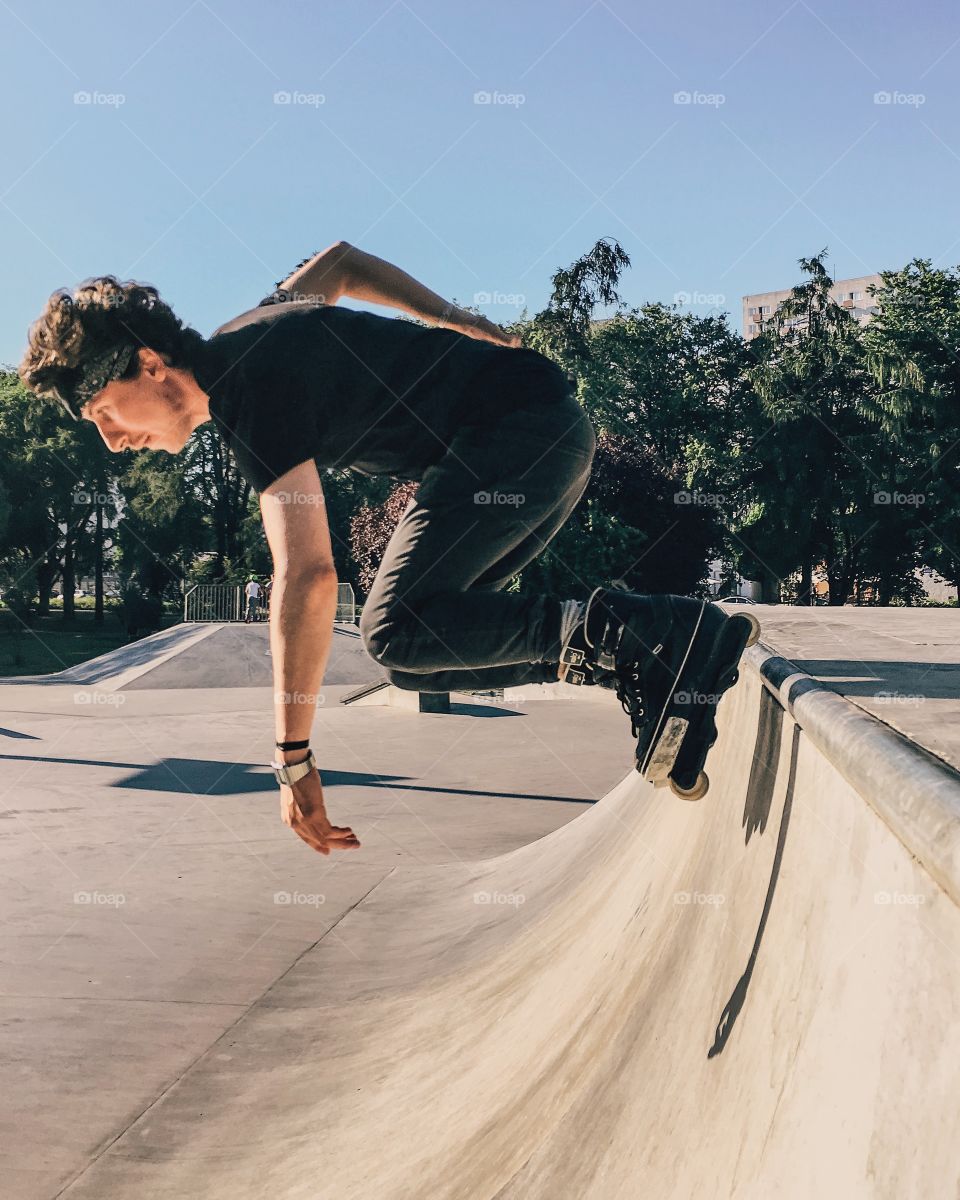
(738, 997)
(763, 768)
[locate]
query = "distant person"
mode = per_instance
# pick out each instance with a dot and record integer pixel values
(252, 593)
(268, 592)
(503, 452)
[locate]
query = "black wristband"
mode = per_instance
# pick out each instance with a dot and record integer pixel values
(293, 745)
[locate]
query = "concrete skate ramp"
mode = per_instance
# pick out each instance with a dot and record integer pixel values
(208, 655)
(752, 996)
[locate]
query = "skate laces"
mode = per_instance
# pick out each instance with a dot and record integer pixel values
(626, 683)
(630, 700)
(627, 677)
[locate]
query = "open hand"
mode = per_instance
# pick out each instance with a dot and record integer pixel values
(302, 808)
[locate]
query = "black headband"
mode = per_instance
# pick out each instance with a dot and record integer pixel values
(94, 375)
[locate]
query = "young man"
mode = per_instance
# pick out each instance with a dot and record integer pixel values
(502, 450)
(252, 592)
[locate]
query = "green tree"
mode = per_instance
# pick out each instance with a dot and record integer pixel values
(914, 351)
(816, 482)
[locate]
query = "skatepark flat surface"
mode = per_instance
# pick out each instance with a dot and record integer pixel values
(511, 991)
(900, 664)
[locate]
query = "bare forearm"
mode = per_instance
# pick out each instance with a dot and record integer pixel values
(380, 282)
(302, 612)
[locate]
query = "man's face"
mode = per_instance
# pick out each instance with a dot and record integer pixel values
(146, 413)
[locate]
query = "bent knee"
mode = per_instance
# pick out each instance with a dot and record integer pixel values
(579, 440)
(586, 437)
(405, 680)
(379, 638)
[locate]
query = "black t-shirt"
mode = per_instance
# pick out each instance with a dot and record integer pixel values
(383, 396)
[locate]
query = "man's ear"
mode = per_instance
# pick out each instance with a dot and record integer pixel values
(153, 364)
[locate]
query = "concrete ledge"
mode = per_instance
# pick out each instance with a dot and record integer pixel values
(915, 793)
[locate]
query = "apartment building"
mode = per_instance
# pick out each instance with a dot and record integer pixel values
(852, 294)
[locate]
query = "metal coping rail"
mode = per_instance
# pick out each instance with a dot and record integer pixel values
(915, 793)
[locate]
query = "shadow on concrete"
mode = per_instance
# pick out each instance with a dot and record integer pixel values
(205, 777)
(893, 680)
(357, 778)
(482, 710)
(738, 997)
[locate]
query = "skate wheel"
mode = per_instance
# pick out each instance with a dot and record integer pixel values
(754, 634)
(697, 792)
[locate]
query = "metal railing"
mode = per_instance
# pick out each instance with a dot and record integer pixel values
(346, 604)
(226, 602)
(213, 602)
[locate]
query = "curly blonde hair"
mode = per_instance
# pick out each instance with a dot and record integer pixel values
(99, 314)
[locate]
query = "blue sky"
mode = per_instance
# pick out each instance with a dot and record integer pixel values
(178, 165)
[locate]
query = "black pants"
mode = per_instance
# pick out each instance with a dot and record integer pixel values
(436, 618)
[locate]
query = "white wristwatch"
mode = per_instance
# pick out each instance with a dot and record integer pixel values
(289, 773)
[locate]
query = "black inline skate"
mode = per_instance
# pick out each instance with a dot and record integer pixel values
(669, 659)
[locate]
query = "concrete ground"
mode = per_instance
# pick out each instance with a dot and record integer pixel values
(151, 893)
(511, 990)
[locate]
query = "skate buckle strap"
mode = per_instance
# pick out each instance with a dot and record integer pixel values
(570, 660)
(572, 656)
(608, 645)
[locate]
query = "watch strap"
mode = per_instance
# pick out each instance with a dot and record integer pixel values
(290, 773)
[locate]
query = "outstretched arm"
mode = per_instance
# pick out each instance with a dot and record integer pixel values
(379, 282)
(303, 605)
